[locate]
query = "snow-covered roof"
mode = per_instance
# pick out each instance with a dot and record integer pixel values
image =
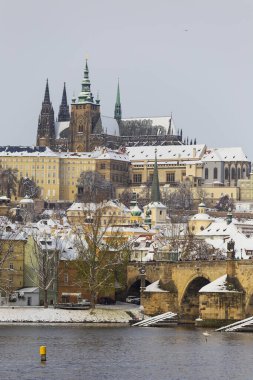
(217, 286)
(224, 154)
(112, 155)
(166, 152)
(219, 233)
(26, 151)
(110, 125)
(98, 154)
(4, 198)
(28, 290)
(79, 206)
(156, 205)
(60, 126)
(154, 287)
(218, 228)
(202, 216)
(13, 235)
(26, 200)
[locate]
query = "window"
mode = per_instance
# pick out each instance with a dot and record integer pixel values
(238, 173)
(66, 278)
(215, 173)
(137, 178)
(170, 177)
(233, 173)
(80, 128)
(206, 173)
(151, 178)
(102, 166)
(226, 173)
(11, 266)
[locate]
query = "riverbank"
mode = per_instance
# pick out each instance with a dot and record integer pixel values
(51, 315)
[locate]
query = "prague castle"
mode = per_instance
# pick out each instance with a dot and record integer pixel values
(123, 152)
(85, 128)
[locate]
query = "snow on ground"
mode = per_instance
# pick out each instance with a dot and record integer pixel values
(51, 315)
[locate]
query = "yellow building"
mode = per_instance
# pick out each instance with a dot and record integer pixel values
(111, 213)
(57, 173)
(12, 252)
(178, 164)
(246, 188)
(37, 163)
(199, 221)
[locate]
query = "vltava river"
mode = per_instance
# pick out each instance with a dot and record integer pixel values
(123, 353)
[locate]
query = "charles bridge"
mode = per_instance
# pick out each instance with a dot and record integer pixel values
(183, 279)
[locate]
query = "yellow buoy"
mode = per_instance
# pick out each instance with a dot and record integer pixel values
(43, 353)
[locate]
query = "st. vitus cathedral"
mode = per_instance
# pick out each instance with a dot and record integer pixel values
(84, 128)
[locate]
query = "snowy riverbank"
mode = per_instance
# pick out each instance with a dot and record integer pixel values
(51, 315)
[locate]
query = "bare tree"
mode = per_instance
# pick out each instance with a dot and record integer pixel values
(103, 253)
(225, 203)
(203, 196)
(176, 241)
(8, 181)
(9, 253)
(27, 187)
(92, 187)
(126, 197)
(44, 263)
(179, 201)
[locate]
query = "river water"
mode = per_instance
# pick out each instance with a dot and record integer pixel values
(123, 353)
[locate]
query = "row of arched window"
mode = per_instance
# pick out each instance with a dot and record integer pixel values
(233, 173)
(215, 173)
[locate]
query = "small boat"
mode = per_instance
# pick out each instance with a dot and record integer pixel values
(74, 306)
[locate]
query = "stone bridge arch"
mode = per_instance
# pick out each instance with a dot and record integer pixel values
(185, 272)
(134, 288)
(189, 302)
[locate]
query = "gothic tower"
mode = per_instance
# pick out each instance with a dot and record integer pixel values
(117, 109)
(85, 113)
(63, 114)
(46, 127)
(155, 189)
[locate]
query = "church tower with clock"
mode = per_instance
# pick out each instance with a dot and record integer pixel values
(85, 114)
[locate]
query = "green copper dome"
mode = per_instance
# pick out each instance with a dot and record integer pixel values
(136, 211)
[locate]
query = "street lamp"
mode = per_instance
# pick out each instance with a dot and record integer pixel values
(142, 271)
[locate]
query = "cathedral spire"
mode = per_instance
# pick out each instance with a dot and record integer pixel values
(63, 114)
(46, 127)
(85, 95)
(47, 96)
(117, 109)
(155, 189)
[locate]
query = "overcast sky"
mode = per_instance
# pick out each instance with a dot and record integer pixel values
(193, 58)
